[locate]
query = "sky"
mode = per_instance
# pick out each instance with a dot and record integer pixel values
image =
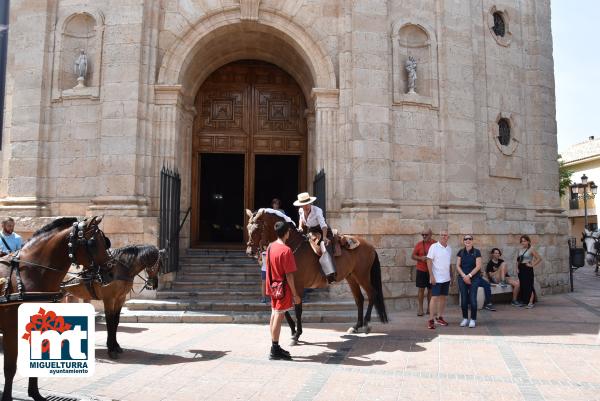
(576, 37)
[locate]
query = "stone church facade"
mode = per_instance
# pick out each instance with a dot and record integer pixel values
(232, 91)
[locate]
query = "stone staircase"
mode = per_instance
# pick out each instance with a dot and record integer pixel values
(223, 286)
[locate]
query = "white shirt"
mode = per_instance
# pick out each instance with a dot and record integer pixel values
(315, 218)
(440, 261)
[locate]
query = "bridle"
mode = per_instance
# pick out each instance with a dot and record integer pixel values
(263, 240)
(596, 245)
(77, 239)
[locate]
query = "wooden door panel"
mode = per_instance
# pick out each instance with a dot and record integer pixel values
(251, 108)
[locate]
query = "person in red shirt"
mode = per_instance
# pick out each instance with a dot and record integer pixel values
(280, 267)
(422, 279)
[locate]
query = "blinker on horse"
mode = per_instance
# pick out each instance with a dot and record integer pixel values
(43, 263)
(360, 267)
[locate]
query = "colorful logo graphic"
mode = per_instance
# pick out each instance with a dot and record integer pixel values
(56, 340)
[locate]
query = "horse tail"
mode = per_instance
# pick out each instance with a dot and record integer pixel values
(378, 287)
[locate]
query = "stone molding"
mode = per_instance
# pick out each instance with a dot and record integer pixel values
(501, 40)
(249, 10)
(430, 100)
(177, 57)
(92, 90)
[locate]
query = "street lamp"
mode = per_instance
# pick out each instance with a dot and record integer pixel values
(580, 191)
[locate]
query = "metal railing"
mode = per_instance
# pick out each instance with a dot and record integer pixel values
(170, 196)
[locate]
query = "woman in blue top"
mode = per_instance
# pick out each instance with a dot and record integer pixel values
(468, 266)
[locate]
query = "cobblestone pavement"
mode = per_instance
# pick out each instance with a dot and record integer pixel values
(551, 352)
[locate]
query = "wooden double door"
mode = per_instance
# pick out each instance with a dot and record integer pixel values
(249, 146)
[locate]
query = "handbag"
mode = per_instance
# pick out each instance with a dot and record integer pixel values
(277, 287)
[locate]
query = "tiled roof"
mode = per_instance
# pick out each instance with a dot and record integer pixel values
(580, 151)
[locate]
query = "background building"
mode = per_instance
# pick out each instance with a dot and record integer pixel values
(582, 159)
(251, 99)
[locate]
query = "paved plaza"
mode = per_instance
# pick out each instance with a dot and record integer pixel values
(551, 352)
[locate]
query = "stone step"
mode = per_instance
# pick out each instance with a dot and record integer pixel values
(213, 277)
(215, 252)
(221, 259)
(182, 285)
(261, 317)
(226, 306)
(222, 268)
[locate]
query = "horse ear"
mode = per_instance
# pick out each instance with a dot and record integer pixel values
(249, 212)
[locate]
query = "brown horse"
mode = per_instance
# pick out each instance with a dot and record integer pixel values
(127, 262)
(43, 263)
(360, 267)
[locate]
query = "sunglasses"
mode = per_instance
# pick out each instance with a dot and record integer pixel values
(468, 239)
(424, 235)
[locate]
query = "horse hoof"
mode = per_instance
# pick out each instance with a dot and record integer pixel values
(113, 354)
(37, 397)
(367, 329)
(352, 330)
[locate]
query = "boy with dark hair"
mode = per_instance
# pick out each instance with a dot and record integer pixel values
(280, 268)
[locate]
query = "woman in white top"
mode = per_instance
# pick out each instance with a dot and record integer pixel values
(311, 218)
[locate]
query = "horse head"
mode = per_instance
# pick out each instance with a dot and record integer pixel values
(153, 270)
(88, 246)
(261, 231)
(591, 244)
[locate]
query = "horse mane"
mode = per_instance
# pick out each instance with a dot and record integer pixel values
(59, 223)
(147, 254)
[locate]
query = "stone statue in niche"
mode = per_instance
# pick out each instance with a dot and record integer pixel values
(411, 71)
(80, 67)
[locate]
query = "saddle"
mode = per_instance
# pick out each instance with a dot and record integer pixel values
(339, 241)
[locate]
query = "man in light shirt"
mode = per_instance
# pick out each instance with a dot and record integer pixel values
(439, 259)
(9, 240)
(311, 218)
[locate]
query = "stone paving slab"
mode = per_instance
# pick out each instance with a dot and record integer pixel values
(551, 352)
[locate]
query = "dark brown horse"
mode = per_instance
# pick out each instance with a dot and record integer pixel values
(360, 267)
(43, 263)
(127, 262)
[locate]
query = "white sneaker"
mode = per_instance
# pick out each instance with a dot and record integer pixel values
(472, 323)
(529, 306)
(464, 322)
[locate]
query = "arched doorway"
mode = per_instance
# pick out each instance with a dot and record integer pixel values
(249, 146)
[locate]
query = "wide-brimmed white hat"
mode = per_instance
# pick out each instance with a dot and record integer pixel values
(304, 199)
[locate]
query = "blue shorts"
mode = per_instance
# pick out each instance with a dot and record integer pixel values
(440, 289)
(263, 275)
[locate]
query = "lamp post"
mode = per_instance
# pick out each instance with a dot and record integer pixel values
(580, 191)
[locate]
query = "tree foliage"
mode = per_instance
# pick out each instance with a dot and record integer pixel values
(564, 176)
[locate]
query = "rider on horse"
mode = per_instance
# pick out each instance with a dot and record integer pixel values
(312, 220)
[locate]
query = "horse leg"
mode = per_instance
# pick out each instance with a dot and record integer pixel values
(291, 323)
(33, 390)
(298, 311)
(359, 300)
(117, 347)
(111, 334)
(9, 343)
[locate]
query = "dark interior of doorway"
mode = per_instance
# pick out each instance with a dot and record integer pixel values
(277, 176)
(221, 198)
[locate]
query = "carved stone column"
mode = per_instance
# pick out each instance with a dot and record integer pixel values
(326, 103)
(310, 145)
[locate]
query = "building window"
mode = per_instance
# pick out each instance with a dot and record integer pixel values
(499, 25)
(503, 132)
